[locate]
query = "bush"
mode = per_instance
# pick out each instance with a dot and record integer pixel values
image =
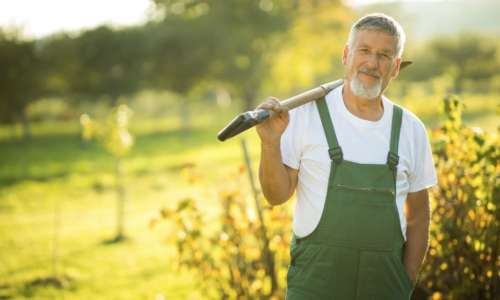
(240, 255)
(463, 261)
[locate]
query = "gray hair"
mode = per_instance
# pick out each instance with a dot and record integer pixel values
(378, 21)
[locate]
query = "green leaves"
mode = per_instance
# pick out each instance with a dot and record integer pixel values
(463, 258)
(117, 139)
(227, 250)
(22, 77)
(452, 107)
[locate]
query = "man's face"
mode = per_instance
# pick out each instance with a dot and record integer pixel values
(371, 63)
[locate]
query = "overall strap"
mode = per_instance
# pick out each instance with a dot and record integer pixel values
(397, 117)
(335, 151)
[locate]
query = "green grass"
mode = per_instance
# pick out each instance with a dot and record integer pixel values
(54, 170)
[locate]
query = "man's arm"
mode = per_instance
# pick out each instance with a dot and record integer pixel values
(278, 181)
(418, 217)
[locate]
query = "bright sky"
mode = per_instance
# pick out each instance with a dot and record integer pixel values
(358, 2)
(42, 17)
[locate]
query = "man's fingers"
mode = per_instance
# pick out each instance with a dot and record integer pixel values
(270, 103)
(272, 99)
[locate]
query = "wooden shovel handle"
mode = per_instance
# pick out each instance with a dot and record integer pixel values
(315, 94)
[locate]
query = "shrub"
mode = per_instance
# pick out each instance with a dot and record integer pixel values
(463, 261)
(236, 256)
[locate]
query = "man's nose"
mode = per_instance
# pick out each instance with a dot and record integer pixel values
(372, 61)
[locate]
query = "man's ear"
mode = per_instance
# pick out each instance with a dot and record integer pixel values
(396, 70)
(344, 55)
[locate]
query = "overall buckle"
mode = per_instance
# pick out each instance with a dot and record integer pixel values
(336, 155)
(392, 160)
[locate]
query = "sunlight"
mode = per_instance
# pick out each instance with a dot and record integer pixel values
(365, 2)
(39, 18)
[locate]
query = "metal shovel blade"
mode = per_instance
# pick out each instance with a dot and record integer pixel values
(243, 122)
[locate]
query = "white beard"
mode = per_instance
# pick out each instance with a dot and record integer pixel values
(361, 91)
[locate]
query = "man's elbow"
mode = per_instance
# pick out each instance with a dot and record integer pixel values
(276, 200)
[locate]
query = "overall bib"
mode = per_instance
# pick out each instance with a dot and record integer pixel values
(355, 252)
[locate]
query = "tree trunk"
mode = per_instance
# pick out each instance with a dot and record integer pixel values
(25, 124)
(120, 207)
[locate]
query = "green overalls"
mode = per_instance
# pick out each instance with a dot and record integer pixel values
(355, 252)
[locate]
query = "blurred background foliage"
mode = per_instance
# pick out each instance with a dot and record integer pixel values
(67, 155)
(463, 260)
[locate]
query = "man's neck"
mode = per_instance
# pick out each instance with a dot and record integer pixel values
(366, 109)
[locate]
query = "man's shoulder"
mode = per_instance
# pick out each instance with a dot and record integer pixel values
(410, 120)
(413, 122)
(310, 109)
(304, 111)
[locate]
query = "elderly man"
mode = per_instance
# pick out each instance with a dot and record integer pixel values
(361, 167)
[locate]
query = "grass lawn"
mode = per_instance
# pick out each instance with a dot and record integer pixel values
(53, 172)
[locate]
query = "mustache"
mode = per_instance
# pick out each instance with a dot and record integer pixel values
(369, 71)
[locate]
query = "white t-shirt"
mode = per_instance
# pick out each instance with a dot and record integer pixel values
(304, 147)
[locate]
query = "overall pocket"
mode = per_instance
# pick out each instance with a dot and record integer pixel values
(363, 217)
(314, 273)
(395, 281)
(403, 274)
(366, 189)
(300, 259)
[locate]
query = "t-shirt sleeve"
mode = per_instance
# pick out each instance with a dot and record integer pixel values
(424, 174)
(291, 144)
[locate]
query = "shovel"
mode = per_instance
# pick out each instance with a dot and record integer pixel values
(251, 118)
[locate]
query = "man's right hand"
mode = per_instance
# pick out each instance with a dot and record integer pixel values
(278, 180)
(271, 130)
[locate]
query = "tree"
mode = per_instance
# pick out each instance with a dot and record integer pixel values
(63, 65)
(101, 62)
(111, 62)
(213, 40)
(238, 43)
(117, 141)
(467, 58)
(21, 79)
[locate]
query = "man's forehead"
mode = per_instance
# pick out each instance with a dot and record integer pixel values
(375, 38)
